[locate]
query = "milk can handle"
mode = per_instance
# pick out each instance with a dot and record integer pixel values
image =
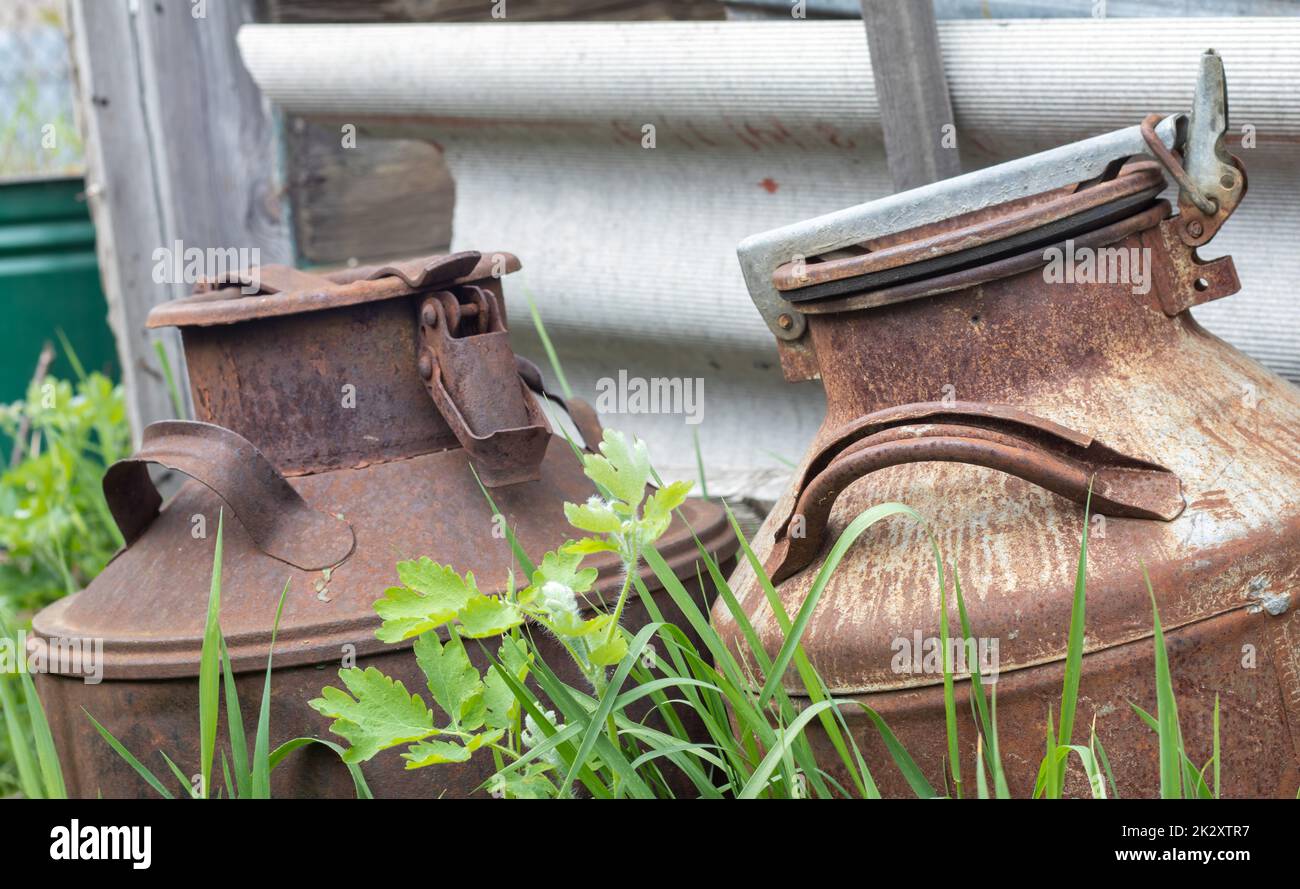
(280, 522)
(995, 436)
(583, 415)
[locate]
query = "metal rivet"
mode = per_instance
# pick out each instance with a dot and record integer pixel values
(429, 316)
(785, 322)
(426, 366)
(1195, 229)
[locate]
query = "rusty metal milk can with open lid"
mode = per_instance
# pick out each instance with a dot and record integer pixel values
(342, 422)
(977, 370)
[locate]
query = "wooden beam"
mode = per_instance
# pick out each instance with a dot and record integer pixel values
(179, 147)
(907, 68)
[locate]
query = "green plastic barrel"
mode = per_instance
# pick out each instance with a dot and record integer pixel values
(49, 281)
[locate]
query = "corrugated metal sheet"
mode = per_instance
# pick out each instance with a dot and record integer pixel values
(629, 251)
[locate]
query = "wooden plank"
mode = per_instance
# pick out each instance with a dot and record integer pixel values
(179, 147)
(383, 198)
(907, 68)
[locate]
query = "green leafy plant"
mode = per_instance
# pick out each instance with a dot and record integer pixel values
(56, 532)
(244, 778)
(548, 737)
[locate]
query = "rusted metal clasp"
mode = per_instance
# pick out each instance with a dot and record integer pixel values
(999, 437)
(472, 376)
(276, 517)
(1211, 182)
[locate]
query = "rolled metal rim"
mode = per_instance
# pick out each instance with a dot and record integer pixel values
(973, 238)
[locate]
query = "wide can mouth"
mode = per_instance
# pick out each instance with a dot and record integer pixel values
(855, 277)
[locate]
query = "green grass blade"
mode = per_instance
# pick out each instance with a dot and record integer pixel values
(232, 789)
(174, 392)
(785, 737)
(985, 717)
(850, 535)
(261, 745)
(520, 554)
(1050, 766)
(71, 353)
(129, 759)
(182, 779)
(949, 700)
(358, 779)
(235, 728)
(981, 782)
(606, 703)
(209, 670)
(24, 757)
(699, 463)
(832, 721)
(1074, 645)
(911, 771)
(551, 355)
(1096, 782)
(46, 753)
(1171, 753)
(1217, 756)
(1100, 752)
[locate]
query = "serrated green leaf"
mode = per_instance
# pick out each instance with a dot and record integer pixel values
(488, 616)
(658, 511)
(621, 467)
(594, 516)
(573, 624)
(515, 657)
(611, 651)
(564, 567)
(452, 679)
(432, 596)
(499, 701)
(428, 753)
(383, 714)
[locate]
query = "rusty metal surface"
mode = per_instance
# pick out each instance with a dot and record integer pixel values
(149, 607)
(221, 302)
(278, 521)
(463, 361)
(1260, 744)
(1130, 366)
(323, 428)
(332, 389)
(981, 229)
(998, 437)
(978, 274)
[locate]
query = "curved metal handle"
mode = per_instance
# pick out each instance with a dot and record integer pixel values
(582, 414)
(995, 436)
(280, 522)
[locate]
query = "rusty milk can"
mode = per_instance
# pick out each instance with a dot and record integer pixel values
(969, 377)
(341, 419)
